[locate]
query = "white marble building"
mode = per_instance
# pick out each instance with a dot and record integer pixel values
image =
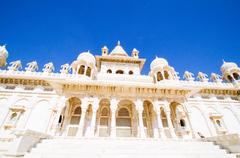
(107, 96)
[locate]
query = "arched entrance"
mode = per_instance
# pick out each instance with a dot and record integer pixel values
(104, 118)
(179, 119)
(148, 116)
(70, 117)
(124, 119)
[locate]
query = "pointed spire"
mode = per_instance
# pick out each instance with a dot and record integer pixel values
(223, 61)
(118, 50)
(118, 43)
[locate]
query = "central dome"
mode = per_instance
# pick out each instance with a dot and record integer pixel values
(158, 62)
(87, 56)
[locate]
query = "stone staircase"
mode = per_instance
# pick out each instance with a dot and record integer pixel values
(125, 148)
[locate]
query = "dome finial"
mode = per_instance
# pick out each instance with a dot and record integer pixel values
(118, 43)
(223, 61)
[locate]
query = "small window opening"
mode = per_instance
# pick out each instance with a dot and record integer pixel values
(130, 72)
(109, 71)
(218, 123)
(119, 72)
(182, 123)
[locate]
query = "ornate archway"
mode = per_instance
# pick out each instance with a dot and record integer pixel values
(125, 119)
(179, 119)
(70, 117)
(148, 117)
(104, 118)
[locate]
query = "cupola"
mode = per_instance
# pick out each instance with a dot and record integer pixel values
(160, 70)
(230, 71)
(104, 51)
(84, 65)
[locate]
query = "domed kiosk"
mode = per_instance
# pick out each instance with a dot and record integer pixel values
(84, 65)
(3, 55)
(230, 71)
(160, 70)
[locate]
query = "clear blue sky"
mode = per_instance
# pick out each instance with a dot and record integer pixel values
(192, 35)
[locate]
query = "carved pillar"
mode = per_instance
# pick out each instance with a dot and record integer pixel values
(78, 67)
(54, 126)
(170, 126)
(84, 107)
(163, 76)
(92, 73)
(94, 116)
(113, 107)
(161, 133)
(189, 118)
(85, 69)
(160, 125)
(139, 107)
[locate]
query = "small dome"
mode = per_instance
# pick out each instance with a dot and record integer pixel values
(228, 65)
(87, 56)
(158, 62)
(3, 55)
(3, 52)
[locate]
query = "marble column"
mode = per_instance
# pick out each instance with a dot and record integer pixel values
(170, 126)
(161, 132)
(113, 106)
(85, 70)
(139, 106)
(84, 107)
(160, 125)
(94, 116)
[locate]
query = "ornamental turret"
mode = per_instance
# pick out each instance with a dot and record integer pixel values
(135, 53)
(160, 70)
(84, 65)
(104, 51)
(3, 55)
(230, 71)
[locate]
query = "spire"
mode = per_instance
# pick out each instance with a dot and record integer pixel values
(223, 61)
(118, 50)
(118, 43)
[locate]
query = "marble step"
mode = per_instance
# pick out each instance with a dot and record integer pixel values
(126, 148)
(147, 155)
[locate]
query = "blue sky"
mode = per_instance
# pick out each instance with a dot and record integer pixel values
(192, 35)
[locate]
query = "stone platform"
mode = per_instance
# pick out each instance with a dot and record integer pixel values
(126, 148)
